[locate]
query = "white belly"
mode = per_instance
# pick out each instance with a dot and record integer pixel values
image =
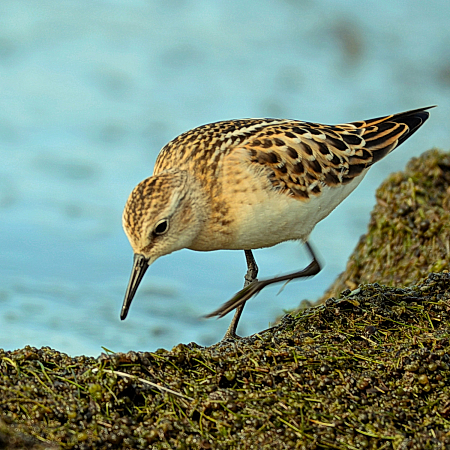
(267, 218)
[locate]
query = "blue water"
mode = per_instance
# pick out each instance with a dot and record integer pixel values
(89, 93)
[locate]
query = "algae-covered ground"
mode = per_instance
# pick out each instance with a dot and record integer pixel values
(367, 369)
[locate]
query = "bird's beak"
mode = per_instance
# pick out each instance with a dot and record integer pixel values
(140, 266)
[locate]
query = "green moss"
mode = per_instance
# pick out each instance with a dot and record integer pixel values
(11, 439)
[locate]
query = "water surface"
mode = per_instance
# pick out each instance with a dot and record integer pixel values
(89, 93)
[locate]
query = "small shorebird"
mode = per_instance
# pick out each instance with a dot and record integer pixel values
(252, 183)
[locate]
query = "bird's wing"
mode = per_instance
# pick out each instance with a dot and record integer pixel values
(301, 158)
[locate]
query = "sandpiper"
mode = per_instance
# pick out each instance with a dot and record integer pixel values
(252, 183)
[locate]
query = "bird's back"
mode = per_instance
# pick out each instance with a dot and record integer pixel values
(300, 157)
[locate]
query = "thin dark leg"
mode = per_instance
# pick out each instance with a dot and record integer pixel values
(250, 276)
(252, 289)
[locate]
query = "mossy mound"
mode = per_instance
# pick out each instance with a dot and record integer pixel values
(369, 370)
(409, 230)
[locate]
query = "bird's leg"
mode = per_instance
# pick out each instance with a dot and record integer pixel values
(252, 268)
(252, 289)
(250, 277)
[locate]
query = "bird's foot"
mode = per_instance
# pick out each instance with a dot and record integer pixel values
(230, 335)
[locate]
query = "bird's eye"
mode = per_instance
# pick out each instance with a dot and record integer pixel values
(161, 227)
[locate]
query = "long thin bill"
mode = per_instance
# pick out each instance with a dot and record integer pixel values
(140, 266)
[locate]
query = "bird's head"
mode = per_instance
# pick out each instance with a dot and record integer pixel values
(161, 216)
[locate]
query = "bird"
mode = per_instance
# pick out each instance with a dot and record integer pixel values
(246, 184)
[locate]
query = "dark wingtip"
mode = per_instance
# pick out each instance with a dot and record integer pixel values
(414, 119)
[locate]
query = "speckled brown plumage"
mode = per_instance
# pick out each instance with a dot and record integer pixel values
(252, 183)
(299, 157)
